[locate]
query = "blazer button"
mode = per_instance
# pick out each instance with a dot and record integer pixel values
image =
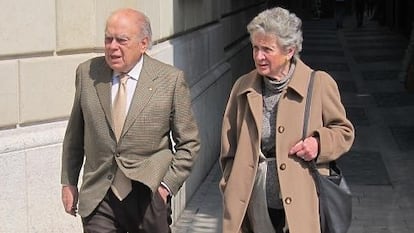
(288, 200)
(117, 154)
(282, 166)
(281, 129)
(109, 177)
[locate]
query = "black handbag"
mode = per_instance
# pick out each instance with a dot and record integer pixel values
(335, 197)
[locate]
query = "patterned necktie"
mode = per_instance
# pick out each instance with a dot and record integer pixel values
(121, 185)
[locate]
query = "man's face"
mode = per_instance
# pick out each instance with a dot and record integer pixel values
(269, 58)
(123, 44)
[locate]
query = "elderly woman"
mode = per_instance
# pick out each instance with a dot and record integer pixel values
(266, 184)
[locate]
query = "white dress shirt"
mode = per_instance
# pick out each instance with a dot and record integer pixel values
(131, 84)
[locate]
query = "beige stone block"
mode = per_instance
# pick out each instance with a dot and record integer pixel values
(47, 87)
(76, 29)
(27, 27)
(13, 193)
(163, 51)
(44, 192)
(171, 18)
(9, 93)
(152, 10)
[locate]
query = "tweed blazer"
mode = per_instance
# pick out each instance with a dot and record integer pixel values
(159, 141)
(240, 145)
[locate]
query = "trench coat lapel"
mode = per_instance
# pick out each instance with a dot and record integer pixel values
(255, 100)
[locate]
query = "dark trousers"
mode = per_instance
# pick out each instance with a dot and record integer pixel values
(139, 212)
(277, 216)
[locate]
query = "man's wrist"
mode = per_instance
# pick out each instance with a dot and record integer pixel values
(164, 185)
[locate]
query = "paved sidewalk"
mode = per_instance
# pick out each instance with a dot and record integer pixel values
(380, 166)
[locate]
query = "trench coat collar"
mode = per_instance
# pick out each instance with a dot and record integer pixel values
(300, 79)
(252, 85)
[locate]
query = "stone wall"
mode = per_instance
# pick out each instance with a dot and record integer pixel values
(42, 42)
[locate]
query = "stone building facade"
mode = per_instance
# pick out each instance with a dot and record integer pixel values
(42, 42)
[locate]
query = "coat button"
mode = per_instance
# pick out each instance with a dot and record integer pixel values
(288, 200)
(109, 177)
(117, 154)
(282, 166)
(281, 129)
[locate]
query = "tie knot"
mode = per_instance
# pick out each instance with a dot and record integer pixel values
(123, 78)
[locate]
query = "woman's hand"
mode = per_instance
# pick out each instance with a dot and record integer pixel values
(306, 149)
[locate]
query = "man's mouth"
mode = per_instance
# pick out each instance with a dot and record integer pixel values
(115, 57)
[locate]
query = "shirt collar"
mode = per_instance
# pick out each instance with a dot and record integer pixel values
(135, 71)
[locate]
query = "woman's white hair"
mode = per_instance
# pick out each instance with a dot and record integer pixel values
(286, 26)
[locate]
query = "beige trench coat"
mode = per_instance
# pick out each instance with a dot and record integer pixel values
(241, 132)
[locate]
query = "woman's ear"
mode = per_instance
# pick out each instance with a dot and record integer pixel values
(290, 53)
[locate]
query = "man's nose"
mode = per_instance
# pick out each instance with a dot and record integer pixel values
(113, 44)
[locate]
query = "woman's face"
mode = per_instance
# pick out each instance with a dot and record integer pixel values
(269, 58)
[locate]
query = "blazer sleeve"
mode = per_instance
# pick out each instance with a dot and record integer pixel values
(73, 150)
(185, 135)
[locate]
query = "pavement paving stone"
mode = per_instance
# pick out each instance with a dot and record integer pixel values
(364, 167)
(358, 116)
(380, 75)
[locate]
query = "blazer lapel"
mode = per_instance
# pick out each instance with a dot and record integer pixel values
(103, 84)
(143, 92)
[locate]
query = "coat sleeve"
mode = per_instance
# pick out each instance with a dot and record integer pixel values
(73, 150)
(337, 134)
(184, 134)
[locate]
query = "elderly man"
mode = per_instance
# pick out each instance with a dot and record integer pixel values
(132, 130)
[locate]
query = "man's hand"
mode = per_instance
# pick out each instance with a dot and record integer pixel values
(70, 199)
(163, 192)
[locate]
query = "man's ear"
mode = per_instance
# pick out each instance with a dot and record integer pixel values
(144, 44)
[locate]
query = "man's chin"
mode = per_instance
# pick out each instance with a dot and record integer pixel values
(116, 67)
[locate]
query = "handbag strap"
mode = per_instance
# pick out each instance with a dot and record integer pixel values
(311, 164)
(307, 105)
